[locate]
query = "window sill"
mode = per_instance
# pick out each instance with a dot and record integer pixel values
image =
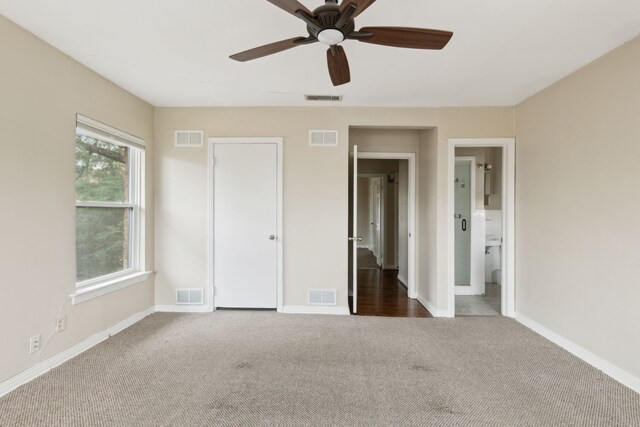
(103, 288)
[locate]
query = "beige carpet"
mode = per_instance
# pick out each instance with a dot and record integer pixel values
(250, 368)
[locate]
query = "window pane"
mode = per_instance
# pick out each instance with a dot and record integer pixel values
(102, 170)
(102, 241)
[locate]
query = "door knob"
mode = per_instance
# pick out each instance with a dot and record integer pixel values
(272, 237)
(357, 239)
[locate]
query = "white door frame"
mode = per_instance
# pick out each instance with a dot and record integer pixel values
(508, 146)
(210, 210)
(411, 262)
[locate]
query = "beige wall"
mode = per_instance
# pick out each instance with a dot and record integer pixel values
(494, 157)
(315, 187)
(41, 90)
(432, 253)
(577, 238)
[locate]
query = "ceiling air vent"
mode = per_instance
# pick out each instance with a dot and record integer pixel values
(322, 297)
(323, 97)
(190, 296)
(323, 138)
(189, 138)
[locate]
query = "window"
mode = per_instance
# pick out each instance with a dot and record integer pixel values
(109, 194)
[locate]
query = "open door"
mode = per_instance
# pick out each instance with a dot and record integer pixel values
(354, 239)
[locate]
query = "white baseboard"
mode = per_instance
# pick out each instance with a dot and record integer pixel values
(58, 359)
(183, 309)
(597, 362)
(403, 281)
(432, 309)
(315, 309)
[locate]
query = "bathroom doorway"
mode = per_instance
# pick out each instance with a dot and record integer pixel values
(481, 195)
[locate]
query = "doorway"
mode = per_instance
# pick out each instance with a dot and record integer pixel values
(382, 250)
(481, 233)
(245, 230)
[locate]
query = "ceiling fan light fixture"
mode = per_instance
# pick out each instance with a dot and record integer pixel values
(330, 37)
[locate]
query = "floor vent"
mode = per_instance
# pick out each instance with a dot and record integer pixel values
(189, 138)
(190, 296)
(323, 138)
(323, 98)
(322, 297)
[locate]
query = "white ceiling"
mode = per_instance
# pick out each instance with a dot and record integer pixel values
(175, 53)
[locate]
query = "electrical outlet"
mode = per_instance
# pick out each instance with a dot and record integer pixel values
(61, 323)
(34, 344)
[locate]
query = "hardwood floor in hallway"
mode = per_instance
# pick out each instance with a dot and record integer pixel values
(381, 294)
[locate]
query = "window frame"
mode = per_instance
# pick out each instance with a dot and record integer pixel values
(94, 287)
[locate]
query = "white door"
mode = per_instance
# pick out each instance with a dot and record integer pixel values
(469, 258)
(245, 225)
(355, 238)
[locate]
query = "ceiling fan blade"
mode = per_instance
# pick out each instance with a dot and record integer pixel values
(268, 49)
(338, 66)
(360, 4)
(414, 38)
(291, 6)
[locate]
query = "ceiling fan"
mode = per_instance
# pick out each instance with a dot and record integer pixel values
(331, 24)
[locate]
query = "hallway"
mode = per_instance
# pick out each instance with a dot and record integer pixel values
(380, 294)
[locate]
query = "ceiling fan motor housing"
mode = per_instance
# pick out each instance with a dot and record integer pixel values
(327, 17)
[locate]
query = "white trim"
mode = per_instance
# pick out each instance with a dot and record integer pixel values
(316, 309)
(597, 362)
(411, 261)
(430, 307)
(89, 292)
(508, 146)
(280, 214)
(355, 238)
(121, 205)
(402, 280)
(115, 134)
(182, 309)
(68, 354)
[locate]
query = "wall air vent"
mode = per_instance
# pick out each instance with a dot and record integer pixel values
(337, 98)
(189, 138)
(190, 296)
(323, 138)
(322, 297)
